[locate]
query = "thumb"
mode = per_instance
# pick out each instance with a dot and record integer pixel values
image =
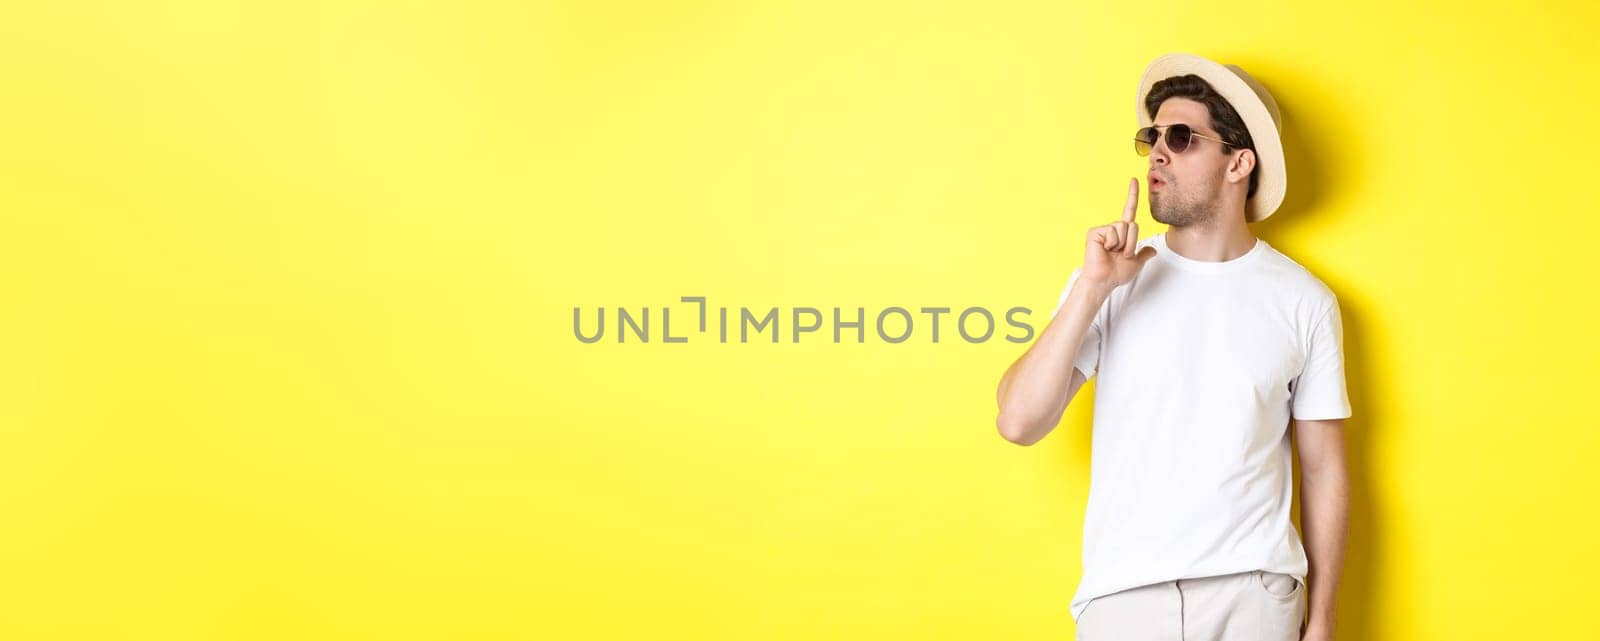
(1145, 254)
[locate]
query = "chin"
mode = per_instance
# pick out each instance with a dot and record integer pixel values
(1167, 220)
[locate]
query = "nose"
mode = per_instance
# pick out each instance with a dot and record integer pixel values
(1159, 154)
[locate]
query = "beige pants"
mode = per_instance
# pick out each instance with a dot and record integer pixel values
(1246, 606)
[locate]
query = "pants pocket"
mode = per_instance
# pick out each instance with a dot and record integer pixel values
(1083, 618)
(1285, 605)
(1279, 585)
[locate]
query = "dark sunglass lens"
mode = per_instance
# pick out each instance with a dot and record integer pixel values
(1178, 138)
(1144, 140)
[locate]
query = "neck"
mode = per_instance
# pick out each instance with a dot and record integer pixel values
(1225, 238)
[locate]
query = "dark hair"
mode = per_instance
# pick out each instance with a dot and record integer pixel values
(1223, 118)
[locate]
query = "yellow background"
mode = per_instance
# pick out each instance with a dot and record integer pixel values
(286, 346)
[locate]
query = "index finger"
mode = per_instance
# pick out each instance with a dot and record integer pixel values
(1133, 200)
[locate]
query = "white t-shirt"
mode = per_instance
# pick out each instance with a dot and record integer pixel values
(1201, 364)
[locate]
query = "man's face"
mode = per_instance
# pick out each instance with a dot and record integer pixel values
(1184, 188)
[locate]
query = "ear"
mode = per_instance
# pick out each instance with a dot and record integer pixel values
(1243, 163)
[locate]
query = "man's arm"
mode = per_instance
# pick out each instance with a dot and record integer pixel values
(1324, 516)
(1035, 390)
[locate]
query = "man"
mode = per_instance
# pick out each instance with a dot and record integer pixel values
(1212, 348)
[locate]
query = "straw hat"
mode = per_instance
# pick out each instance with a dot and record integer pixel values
(1255, 106)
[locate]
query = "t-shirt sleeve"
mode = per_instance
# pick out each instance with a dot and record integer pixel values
(1319, 391)
(1088, 359)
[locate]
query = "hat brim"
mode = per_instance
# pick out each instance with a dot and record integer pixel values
(1253, 104)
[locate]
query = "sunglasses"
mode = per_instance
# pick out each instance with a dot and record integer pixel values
(1179, 136)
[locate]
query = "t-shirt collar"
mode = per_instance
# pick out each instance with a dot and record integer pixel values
(1177, 260)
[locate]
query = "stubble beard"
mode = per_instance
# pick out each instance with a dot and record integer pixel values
(1177, 211)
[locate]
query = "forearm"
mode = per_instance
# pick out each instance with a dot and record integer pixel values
(1325, 516)
(1034, 391)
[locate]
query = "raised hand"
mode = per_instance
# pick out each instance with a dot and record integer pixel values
(1108, 255)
